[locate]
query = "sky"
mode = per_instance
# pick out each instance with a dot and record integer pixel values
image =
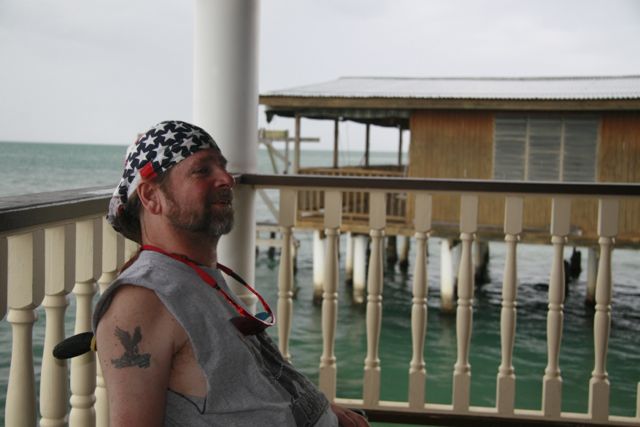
(101, 71)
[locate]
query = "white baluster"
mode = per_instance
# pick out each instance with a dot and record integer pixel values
(318, 264)
(377, 222)
(130, 249)
(109, 274)
(25, 279)
(83, 368)
(361, 242)
(417, 369)
(506, 382)
(599, 383)
(332, 219)
(59, 277)
(552, 381)
(464, 312)
(285, 273)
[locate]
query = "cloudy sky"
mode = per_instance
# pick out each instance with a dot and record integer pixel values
(100, 71)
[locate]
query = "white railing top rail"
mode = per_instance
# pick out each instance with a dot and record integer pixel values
(62, 206)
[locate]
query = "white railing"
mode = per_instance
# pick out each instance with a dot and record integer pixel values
(62, 248)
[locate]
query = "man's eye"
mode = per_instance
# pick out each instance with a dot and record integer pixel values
(201, 171)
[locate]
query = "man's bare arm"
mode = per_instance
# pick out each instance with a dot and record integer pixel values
(136, 341)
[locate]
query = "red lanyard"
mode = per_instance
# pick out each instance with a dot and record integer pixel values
(209, 280)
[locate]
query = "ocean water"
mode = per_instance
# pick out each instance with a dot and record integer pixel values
(28, 168)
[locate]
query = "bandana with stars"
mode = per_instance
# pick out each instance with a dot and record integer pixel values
(162, 147)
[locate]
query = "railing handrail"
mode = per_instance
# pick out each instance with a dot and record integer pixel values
(60, 206)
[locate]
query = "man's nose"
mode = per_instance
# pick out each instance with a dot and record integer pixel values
(225, 179)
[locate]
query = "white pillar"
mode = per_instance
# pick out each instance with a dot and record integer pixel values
(348, 262)
(318, 265)
(287, 220)
(225, 104)
(361, 242)
(446, 275)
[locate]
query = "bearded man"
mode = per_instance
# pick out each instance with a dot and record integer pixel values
(176, 345)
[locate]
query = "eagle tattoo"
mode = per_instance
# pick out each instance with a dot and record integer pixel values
(131, 356)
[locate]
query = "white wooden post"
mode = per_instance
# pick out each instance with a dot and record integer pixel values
(83, 368)
(552, 381)
(377, 222)
(318, 264)
(348, 260)
(109, 274)
(285, 273)
(462, 368)
(332, 220)
(417, 369)
(25, 273)
(58, 281)
(599, 383)
(506, 382)
(447, 287)
(361, 241)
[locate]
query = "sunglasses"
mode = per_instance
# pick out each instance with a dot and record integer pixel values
(245, 322)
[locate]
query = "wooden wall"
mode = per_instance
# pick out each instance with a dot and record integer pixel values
(459, 144)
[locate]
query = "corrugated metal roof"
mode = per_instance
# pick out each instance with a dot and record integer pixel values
(516, 88)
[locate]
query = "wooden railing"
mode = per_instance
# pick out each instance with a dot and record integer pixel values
(60, 246)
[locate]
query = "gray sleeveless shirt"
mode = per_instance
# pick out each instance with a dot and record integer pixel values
(248, 381)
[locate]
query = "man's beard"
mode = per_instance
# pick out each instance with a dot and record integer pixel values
(211, 220)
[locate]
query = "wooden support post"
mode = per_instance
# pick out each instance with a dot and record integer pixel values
(552, 381)
(336, 128)
(400, 145)
(377, 222)
(599, 387)
(403, 257)
(506, 381)
(366, 145)
(296, 149)
(417, 368)
(348, 261)
(392, 251)
(464, 313)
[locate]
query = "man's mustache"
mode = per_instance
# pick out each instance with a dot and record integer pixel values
(222, 196)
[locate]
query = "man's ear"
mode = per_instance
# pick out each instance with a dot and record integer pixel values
(149, 195)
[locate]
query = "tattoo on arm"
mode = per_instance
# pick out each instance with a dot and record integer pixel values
(131, 356)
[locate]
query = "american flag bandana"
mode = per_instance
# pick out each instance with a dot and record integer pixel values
(159, 149)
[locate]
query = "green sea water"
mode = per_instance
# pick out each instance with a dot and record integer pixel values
(29, 168)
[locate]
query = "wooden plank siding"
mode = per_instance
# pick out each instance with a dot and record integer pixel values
(459, 144)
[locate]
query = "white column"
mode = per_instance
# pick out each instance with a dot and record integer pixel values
(377, 222)
(109, 274)
(225, 94)
(348, 261)
(318, 264)
(464, 313)
(58, 281)
(25, 266)
(3, 276)
(506, 382)
(599, 383)
(83, 368)
(592, 273)
(417, 369)
(285, 272)
(447, 281)
(332, 220)
(552, 381)
(361, 242)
